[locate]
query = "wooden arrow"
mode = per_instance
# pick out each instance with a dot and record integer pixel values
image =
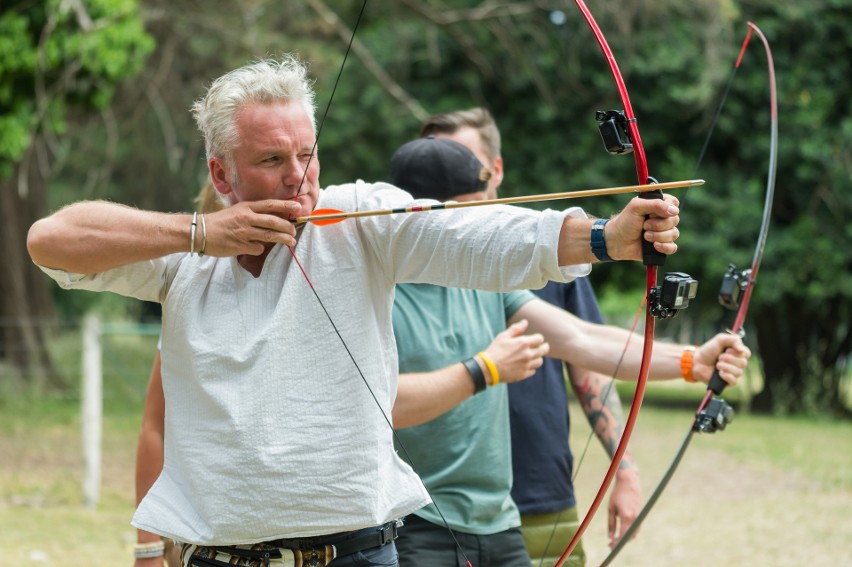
(322, 217)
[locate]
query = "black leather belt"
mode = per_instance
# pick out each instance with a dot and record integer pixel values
(344, 544)
(322, 548)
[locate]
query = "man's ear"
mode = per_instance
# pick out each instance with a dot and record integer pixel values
(221, 177)
(497, 171)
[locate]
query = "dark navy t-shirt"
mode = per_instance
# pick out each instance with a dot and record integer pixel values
(541, 460)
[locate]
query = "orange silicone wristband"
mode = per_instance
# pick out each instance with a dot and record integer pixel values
(686, 364)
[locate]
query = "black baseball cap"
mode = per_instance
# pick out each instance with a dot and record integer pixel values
(437, 168)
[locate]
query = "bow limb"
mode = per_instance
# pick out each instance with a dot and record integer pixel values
(652, 260)
(716, 384)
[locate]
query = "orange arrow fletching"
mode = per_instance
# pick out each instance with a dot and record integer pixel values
(327, 212)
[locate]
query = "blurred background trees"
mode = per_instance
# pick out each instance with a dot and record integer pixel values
(94, 99)
(60, 64)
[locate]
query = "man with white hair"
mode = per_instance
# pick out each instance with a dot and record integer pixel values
(277, 445)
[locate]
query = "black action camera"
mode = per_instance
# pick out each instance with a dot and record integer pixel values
(613, 127)
(733, 284)
(715, 417)
(668, 299)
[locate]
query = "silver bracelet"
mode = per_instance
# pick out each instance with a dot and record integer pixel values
(203, 236)
(149, 550)
(192, 234)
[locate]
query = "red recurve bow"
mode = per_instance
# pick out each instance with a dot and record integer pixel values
(652, 259)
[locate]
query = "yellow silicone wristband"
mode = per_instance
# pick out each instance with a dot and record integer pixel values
(492, 368)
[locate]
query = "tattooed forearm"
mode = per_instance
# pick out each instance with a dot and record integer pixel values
(601, 404)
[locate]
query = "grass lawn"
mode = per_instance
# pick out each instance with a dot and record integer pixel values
(766, 491)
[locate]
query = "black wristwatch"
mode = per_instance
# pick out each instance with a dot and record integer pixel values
(598, 241)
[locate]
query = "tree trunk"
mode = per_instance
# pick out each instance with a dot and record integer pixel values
(26, 306)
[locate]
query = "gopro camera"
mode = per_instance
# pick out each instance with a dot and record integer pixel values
(613, 127)
(733, 284)
(674, 294)
(715, 417)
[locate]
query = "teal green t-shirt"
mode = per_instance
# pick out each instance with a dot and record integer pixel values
(464, 456)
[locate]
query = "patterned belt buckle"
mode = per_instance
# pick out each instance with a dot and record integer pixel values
(318, 556)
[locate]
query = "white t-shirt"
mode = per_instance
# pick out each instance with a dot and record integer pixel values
(271, 431)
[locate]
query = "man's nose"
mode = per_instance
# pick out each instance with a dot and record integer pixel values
(292, 173)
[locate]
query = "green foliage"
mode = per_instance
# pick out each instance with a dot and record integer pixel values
(14, 135)
(16, 58)
(68, 58)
